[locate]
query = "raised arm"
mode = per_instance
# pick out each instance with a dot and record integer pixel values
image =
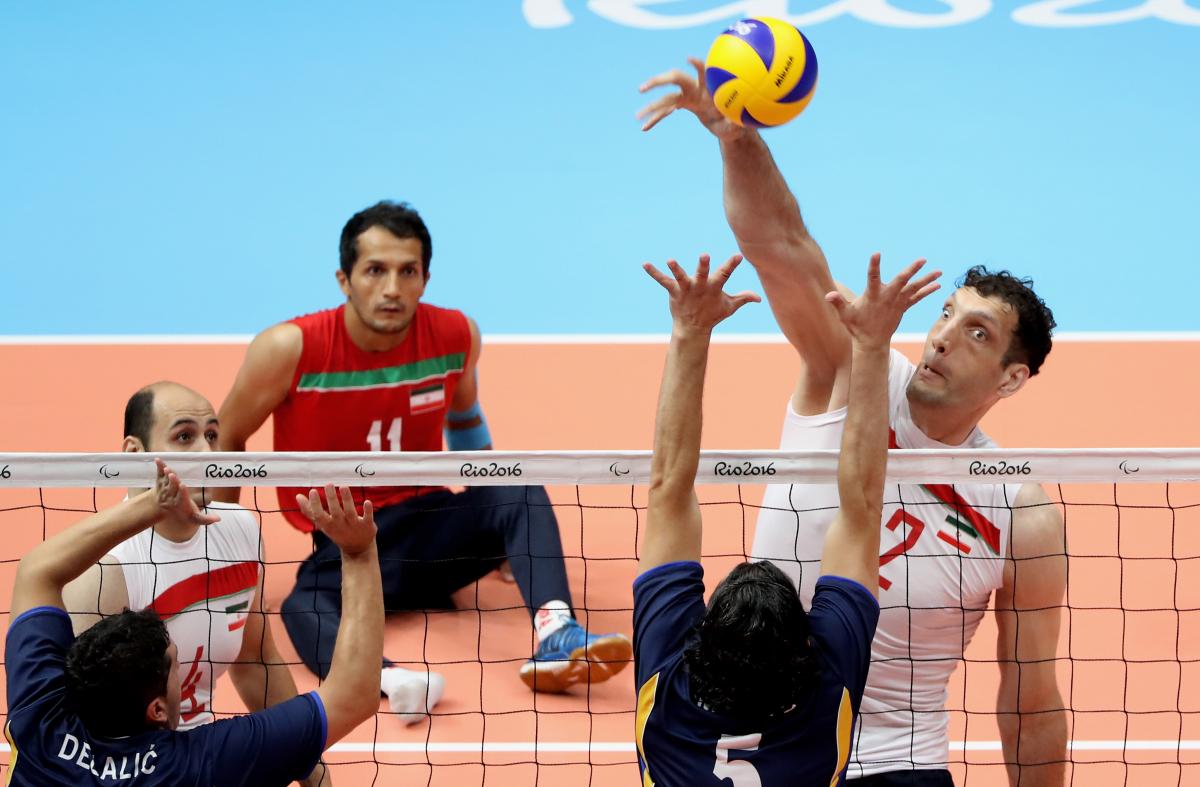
(46, 570)
(765, 218)
(852, 543)
(260, 674)
(350, 692)
(697, 305)
(261, 385)
(1029, 707)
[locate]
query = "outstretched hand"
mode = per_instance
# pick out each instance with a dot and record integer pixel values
(175, 499)
(693, 96)
(698, 303)
(352, 533)
(873, 317)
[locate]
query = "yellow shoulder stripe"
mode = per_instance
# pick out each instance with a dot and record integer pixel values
(645, 704)
(12, 747)
(845, 724)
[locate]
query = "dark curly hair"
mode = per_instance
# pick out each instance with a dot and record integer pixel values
(398, 218)
(115, 669)
(750, 656)
(1030, 342)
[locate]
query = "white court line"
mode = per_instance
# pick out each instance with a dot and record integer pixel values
(563, 338)
(624, 747)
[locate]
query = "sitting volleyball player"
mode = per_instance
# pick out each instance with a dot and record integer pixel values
(386, 371)
(103, 708)
(205, 583)
(753, 689)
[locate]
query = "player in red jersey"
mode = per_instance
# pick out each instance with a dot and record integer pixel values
(385, 371)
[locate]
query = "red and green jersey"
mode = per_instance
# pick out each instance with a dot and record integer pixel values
(344, 398)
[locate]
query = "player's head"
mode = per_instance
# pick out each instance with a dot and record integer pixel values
(122, 676)
(992, 335)
(385, 254)
(167, 416)
(751, 656)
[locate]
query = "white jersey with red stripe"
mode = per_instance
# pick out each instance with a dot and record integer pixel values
(943, 552)
(202, 588)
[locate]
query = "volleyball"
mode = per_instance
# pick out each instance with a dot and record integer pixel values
(761, 72)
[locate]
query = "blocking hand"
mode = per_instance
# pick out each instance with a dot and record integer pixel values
(873, 317)
(352, 533)
(697, 302)
(175, 499)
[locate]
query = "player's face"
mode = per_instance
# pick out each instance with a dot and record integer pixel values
(962, 363)
(386, 282)
(174, 689)
(183, 421)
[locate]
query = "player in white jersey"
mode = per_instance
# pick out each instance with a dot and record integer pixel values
(943, 542)
(205, 583)
(942, 555)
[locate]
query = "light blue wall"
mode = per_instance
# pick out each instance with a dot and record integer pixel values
(174, 167)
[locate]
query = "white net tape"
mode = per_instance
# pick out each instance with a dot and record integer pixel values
(504, 468)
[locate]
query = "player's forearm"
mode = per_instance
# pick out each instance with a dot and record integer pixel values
(1035, 747)
(262, 685)
(358, 653)
(467, 429)
(678, 422)
(62, 558)
(759, 206)
(863, 459)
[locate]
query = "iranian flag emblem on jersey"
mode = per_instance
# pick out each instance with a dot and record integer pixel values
(427, 398)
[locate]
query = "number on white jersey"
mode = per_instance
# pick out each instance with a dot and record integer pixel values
(914, 528)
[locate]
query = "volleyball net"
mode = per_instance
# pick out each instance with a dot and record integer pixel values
(1127, 660)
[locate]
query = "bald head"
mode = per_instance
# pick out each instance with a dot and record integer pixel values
(167, 416)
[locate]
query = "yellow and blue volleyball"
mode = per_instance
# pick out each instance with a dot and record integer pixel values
(761, 72)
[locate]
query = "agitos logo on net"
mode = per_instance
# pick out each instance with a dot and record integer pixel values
(618, 469)
(657, 15)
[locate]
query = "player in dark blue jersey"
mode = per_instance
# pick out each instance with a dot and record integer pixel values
(102, 708)
(752, 690)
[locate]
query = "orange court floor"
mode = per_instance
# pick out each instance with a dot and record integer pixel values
(1129, 655)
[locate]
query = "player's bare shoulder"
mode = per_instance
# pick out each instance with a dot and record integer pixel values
(278, 347)
(262, 383)
(1037, 546)
(98, 592)
(1038, 527)
(476, 338)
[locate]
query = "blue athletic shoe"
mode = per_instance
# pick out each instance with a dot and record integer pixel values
(571, 655)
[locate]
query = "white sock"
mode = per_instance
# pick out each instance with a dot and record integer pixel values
(550, 617)
(411, 695)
